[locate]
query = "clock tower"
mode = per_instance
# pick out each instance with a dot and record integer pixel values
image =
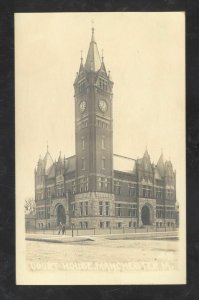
(93, 128)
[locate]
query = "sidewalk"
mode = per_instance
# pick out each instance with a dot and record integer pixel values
(69, 239)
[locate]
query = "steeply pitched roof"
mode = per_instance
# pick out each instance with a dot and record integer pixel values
(47, 162)
(160, 165)
(70, 164)
(157, 174)
(51, 171)
(93, 60)
(123, 164)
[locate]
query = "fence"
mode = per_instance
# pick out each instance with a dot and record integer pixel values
(101, 231)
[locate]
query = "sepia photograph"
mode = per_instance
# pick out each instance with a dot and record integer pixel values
(100, 148)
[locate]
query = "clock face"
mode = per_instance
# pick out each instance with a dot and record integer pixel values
(103, 105)
(82, 106)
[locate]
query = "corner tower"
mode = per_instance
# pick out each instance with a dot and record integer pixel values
(93, 125)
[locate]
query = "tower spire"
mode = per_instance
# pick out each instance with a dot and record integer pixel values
(93, 60)
(81, 58)
(93, 36)
(102, 55)
(93, 30)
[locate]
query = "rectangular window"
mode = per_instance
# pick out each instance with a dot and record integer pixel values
(73, 210)
(119, 225)
(86, 224)
(83, 143)
(130, 224)
(86, 208)
(86, 184)
(73, 188)
(81, 209)
(134, 212)
(48, 193)
(107, 208)
(118, 210)
(159, 193)
(159, 212)
(116, 187)
(108, 224)
(169, 194)
(130, 212)
(101, 208)
(146, 191)
(101, 224)
(103, 162)
(106, 184)
(103, 143)
(81, 185)
(132, 189)
(83, 163)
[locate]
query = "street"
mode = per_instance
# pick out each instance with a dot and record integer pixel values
(103, 254)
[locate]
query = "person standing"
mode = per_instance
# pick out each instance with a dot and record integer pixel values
(60, 228)
(63, 229)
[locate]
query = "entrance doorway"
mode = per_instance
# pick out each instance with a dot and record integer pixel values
(145, 215)
(61, 216)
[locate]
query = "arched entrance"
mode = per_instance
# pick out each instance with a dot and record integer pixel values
(145, 215)
(61, 216)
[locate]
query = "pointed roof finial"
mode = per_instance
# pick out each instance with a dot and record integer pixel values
(93, 59)
(93, 29)
(102, 55)
(81, 56)
(47, 146)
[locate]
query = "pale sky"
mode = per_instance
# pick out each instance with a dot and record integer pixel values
(146, 56)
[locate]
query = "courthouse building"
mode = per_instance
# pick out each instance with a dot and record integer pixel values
(95, 187)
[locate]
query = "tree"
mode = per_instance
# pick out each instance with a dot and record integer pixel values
(29, 205)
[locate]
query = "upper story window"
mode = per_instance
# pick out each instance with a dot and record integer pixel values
(60, 190)
(132, 189)
(169, 194)
(103, 84)
(82, 85)
(160, 212)
(48, 192)
(118, 210)
(73, 187)
(103, 183)
(103, 162)
(83, 163)
(101, 208)
(83, 142)
(103, 143)
(86, 208)
(159, 193)
(170, 213)
(102, 124)
(81, 209)
(132, 211)
(146, 191)
(73, 210)
(107, 208)
(116, 187)
(83, 184)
